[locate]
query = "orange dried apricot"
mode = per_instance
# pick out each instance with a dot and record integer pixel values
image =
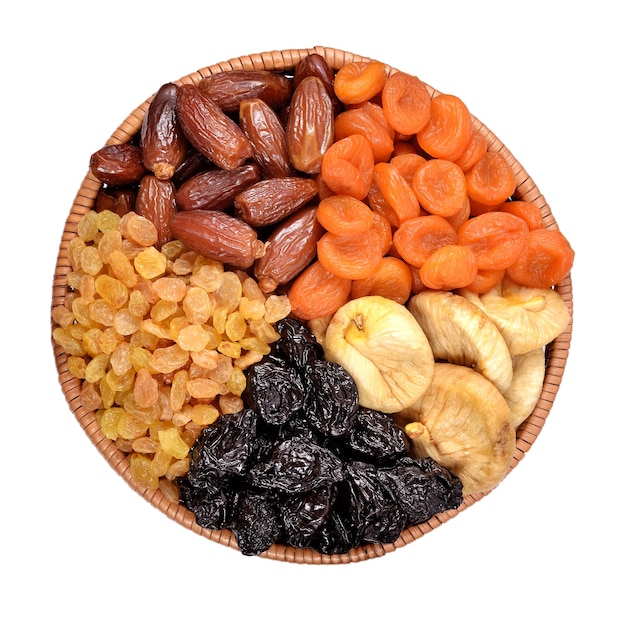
(528, 211)
(474, 151)
(406, 103)
(363, 121)
(546, 260)
(392, 279)
(407, 163)
(416, 239)
(485, 280)
(491, 180)
(449, 129)
(396, 191)
(317, 292)
(348, 165)
(439, 185)
(344, 215)
(350, 256)
(359, 81)
(383, 228)
(497, 239)
(449, 267)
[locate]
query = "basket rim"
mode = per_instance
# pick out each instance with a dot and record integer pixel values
(556, 352)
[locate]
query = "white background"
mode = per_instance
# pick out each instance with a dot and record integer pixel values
(80, 547)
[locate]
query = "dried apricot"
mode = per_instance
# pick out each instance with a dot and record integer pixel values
(383, 228)
(350, 256)
(491, 180)
(528, 211)
(497, 239)
(449, 267)
(546, 260)
(317, 292)
(392, 279)
(449, 129)
(439, 185)
(485, 280)
(362, 121)
(348, 165)
(415, 240)
(344, 215)
(407, 163)
(406, 103)
(474, 151)
(359, 81)
(396, 191)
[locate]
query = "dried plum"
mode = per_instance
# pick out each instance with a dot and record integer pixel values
(274, 391)
(222, 450)
(212, 510)
(424, 487)
(333, 399)
(375, 436)
(302, 515)
(254, 523)
(296, 466)
(377, 514)
(297, 344)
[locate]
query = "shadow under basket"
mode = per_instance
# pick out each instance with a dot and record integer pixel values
(556, 352)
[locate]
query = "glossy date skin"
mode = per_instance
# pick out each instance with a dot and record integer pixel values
(163, 144)
(289, 249)
(210, 130)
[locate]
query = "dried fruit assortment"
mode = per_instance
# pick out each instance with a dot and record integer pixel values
(309, 304)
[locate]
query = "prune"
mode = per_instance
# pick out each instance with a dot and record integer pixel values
(424, 488)
(337, 535)
(375, 436)
(377, 514)
(212, 510)
(302, 515)
(333, 399)
(222, 450)
(254, 523)
(297, 344)
(274, 391)
(297, 466)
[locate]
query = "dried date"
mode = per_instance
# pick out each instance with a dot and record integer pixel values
(270, 201)
(216, 189)
(289, 249)
(310, 125)
(218, 236)
(267, 135)
(162, 141)
(228, 89)
(156, 201)
(118, 164)
(210, 130)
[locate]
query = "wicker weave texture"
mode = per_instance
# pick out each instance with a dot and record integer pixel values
(556, 353)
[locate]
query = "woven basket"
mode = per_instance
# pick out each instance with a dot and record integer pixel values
(556, 352)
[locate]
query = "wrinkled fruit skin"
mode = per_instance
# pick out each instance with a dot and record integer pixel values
(156, 201)
(217, 236)
(117, 164)
(276, 473)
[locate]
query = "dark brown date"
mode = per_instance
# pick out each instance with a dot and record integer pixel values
(218, 236)
(266, 133)
(210, 130)
(316, 65)
(156, 201)
(115, 199)
(289, 249)
(270, 201)
(228, 89)
(310, 126)
(119, 164)
(193, 164)
(216, 189)
(162, 141)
